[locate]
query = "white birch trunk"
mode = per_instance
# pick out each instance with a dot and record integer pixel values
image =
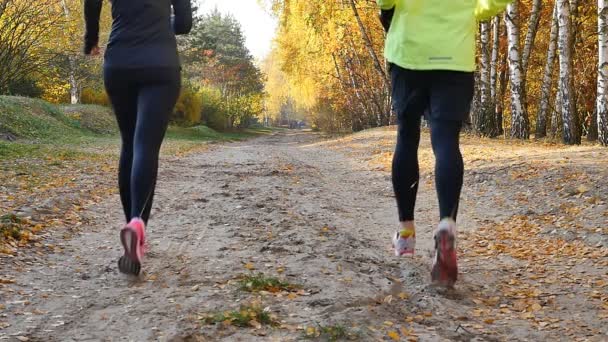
(531, 35)
(602, 78)
(486, 121)
(570, 132)
(494, 58)
(485, 65)
(519, 116)
(543, 107)
(74, 93)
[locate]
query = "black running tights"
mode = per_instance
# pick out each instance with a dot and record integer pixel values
(143, 100)
(449, 167)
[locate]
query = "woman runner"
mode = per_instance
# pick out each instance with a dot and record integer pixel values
(142, 79)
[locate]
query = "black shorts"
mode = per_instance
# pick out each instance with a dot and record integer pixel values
(437, 94)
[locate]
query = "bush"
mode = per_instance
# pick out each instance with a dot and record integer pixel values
(95, 97)
(189, 106)
(213, 111)
(26, 87)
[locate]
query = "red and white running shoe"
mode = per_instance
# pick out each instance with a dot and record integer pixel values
(133, 238)
(445, 265)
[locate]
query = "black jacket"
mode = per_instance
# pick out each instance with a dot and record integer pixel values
(143, 31)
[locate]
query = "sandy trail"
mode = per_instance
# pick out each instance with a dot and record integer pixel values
(283, 205)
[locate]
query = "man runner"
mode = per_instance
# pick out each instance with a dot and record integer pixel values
(431, 48)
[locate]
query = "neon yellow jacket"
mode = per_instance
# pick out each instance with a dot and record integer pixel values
(436, 34)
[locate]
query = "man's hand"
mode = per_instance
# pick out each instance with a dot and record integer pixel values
(386, 17)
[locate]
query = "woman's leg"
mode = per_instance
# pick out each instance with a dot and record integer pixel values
(123, 96)
(155, 103)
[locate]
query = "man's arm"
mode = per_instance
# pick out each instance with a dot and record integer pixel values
(386, 4)
(92, 12)
(387, 10)
(182, 20)
(486, 9)
(386, 18)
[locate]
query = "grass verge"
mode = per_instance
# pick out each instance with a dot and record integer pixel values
(260, 282)
(330, 333)
(252, 315)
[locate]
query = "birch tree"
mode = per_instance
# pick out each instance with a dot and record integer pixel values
(486, 120)
(602, 78)
(531, 35)
(72, 66)
(520, 127)
(570, 131)
(543, 107)
(494, 57)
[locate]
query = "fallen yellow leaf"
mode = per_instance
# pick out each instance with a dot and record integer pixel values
(394, 335)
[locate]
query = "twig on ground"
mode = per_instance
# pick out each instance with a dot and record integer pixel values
(459, 327)
(499, 169)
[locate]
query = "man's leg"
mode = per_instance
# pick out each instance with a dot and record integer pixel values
(409, 101)
(451, 95)
(449, 166)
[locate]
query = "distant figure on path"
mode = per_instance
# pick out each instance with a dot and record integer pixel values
(142, 79)
(430, 46)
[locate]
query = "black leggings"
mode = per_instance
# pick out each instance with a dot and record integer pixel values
(143, 100)
(449, 166)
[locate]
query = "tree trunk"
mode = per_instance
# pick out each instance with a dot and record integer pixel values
(541, 115)
(486, 120)
(556, 118)
(571, 133)
(502, 82)
(576, 37)
(531, 35)
(602, 78)
(592, 132)
(520, 127)
(494, 58)
(369, 45)
(73, 81)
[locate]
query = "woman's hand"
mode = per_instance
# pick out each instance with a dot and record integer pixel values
(95, 51)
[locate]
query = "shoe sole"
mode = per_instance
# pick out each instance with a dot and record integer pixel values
(445, 268)
(130, 262)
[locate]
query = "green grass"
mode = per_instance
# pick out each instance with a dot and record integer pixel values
(10, 226)
(244, 317)
(204, 133)
(43, 129)
(35, 119)
(260, 282)
(330, 333)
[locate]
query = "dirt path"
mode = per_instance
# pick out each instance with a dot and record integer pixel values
(282, 205)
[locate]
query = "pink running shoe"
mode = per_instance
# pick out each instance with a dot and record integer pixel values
(404, 242)
(445, 266)
(132, 237)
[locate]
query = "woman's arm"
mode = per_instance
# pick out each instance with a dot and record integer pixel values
(92, 12)
(182, 21)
